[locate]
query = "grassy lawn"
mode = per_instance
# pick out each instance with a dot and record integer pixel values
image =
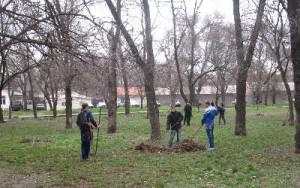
(264, 158)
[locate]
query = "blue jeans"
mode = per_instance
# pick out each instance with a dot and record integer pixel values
(210, 136)
(172, 135)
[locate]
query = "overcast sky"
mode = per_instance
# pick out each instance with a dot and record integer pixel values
(161, 14)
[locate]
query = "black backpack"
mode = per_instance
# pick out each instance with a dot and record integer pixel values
(84, 124)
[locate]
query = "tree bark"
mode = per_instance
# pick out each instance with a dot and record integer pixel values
(54, 97)
(294, 19)
(1, 109)
(289, 95)
(47, 97)
(274, 93)
(32, 94)
(10, 96)
(223, 93)
(112, 76)
(68, 103)
(125, 81)
(244, 63)
(267, 91)
(152, 107)
(24, 93)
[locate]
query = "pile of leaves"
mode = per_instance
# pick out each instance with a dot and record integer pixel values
(186, 145)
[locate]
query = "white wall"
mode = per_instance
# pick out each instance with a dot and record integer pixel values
(77, 100)
(5, 100)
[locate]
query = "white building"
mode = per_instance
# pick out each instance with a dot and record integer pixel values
(77, 100)
(5, 98)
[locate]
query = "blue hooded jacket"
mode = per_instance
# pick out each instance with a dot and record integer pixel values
(209, 116)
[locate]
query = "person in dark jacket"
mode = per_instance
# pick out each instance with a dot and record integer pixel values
(174, 125)
(85, 122)
(187, 114)
(221, 110)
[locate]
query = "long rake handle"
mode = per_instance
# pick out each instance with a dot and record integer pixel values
(197, 131)
(98, 133)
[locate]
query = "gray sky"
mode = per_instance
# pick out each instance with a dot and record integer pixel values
(161, 15)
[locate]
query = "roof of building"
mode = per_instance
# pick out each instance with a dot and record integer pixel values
(133, 91)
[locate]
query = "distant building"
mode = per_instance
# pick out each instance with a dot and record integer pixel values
(136, 94)
(16, 98)
(77, 100)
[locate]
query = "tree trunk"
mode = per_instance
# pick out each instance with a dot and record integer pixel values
(240, 118)
(112, 76)
(223, 94)
(274, 93)
(48, 99)
(1, 109)
(24, 96)
(193, 99)
(54, 97)
(267, 94)
(32, 95)
(10, 96)
(289, 96)
(149, 79)
(68, 103)
(244, 63)
(152, 107)
(142, 101)
(294, 19)
(217, 97)
(54, 109)
(126, 89)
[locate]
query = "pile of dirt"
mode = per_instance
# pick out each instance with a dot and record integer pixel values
(186, 145)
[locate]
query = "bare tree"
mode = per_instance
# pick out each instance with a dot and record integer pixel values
(293, 8)
(276, 40)
(222, 53)
(50, 78)
(147, 67)
(185, 50)
(10, 65)
(244, 63)
(63, 35)
(165, 73)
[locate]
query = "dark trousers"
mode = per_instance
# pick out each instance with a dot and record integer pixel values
(210, 136)
(85, 147)
(222, 117)
(187, 119)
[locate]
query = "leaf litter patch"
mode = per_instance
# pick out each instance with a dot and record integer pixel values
(34, 141)
(185, 146)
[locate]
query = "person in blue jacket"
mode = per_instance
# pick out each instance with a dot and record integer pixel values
(208, 121)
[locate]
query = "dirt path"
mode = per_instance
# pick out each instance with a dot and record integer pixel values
(10, 180)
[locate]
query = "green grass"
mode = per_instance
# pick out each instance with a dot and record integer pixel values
(264, 158)
(48, 112)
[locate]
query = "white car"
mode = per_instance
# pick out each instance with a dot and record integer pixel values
(101, 104)
(134, 103)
